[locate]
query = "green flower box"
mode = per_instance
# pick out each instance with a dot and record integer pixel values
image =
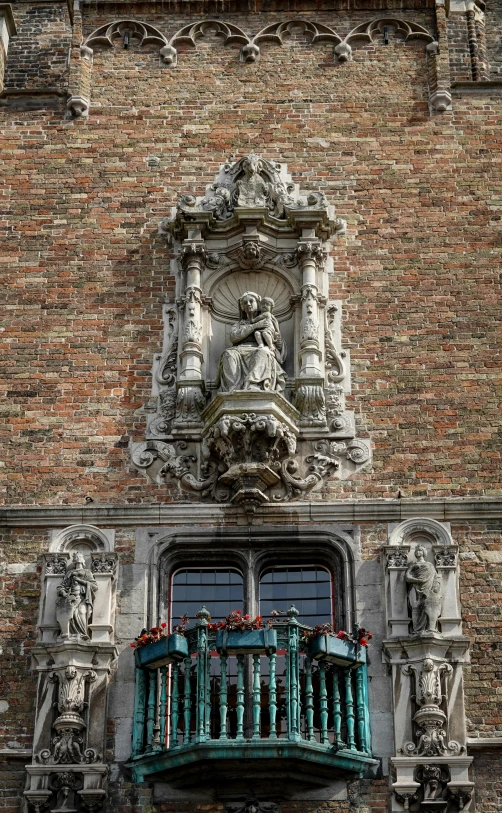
(167, 650)
(247, 642)
(336, 650)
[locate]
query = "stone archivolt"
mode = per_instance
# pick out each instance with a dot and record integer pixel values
(248, 398)
(141, 33)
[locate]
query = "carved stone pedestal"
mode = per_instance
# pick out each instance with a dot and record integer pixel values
(251, 433)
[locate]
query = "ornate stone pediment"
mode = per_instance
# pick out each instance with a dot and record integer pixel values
(248, 397)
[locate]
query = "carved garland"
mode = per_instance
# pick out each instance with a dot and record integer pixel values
(145, 34)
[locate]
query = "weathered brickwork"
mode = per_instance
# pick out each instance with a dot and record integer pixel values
(86, 272)
(90, 270)
(38, 54)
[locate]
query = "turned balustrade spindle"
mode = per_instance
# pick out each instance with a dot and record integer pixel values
(309, 699)
(240, 697)
(323, 698)
(223, 697)
(163, 706)
(361, 727)
(175, 695)
(139, 712)
(272, 697)
(337, 711)
(256, 697)
(349, 709)
(187, 702)
(150, 712)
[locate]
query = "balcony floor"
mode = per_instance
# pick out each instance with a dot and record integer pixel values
(320, 763)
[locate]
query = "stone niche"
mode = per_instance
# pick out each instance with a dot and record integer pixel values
(248, 397)
(426, 652)
(73, 656)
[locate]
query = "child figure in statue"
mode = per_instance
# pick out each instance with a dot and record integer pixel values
(270, 334)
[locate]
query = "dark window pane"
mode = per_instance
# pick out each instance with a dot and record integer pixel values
(208, 587)
(307, 587)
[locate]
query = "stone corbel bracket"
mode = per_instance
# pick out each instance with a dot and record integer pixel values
(82, 57)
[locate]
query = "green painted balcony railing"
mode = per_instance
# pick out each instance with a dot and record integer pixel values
(253, 695)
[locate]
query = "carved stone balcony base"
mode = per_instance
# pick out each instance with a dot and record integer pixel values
(249, 401)
(250, 433)
(221, 759)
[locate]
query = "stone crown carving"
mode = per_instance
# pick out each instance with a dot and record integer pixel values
(248, 398)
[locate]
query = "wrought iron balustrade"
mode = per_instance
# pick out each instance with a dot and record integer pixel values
(249, 704)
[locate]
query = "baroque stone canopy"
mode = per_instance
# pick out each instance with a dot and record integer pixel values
(248, 398)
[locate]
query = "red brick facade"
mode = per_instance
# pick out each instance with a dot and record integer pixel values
(86, 272)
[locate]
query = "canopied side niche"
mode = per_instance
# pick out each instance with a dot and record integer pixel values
(73, 657)
(426, 650)
(248, 397)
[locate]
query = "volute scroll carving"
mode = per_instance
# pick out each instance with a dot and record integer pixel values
(252, 379)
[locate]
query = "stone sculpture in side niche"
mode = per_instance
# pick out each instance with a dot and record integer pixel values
(75, 599)
(426, 651)
(248, 397)
(424, 594)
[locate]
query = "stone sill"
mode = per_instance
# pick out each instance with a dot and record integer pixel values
(12, 754)
(481, 85)
(481, 743)
(54, 516)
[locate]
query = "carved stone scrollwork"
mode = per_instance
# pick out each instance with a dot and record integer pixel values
(446, 558)
(56, 565)
(102, 563)
(68, 740)
(252, 805)
(335, 365)
(398, 558)
(311, 405)
(172, 464)
(430, 719)
(253, 182)
(461, 794)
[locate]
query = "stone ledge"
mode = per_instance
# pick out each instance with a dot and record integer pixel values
(11, 754)
(480, 743)
(55, 516)
(483, 85)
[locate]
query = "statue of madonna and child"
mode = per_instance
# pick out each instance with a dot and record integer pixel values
(254, 360)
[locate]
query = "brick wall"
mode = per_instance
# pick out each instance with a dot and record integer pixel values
(87, 273)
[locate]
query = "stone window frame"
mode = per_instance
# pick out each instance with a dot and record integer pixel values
(252, 552)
